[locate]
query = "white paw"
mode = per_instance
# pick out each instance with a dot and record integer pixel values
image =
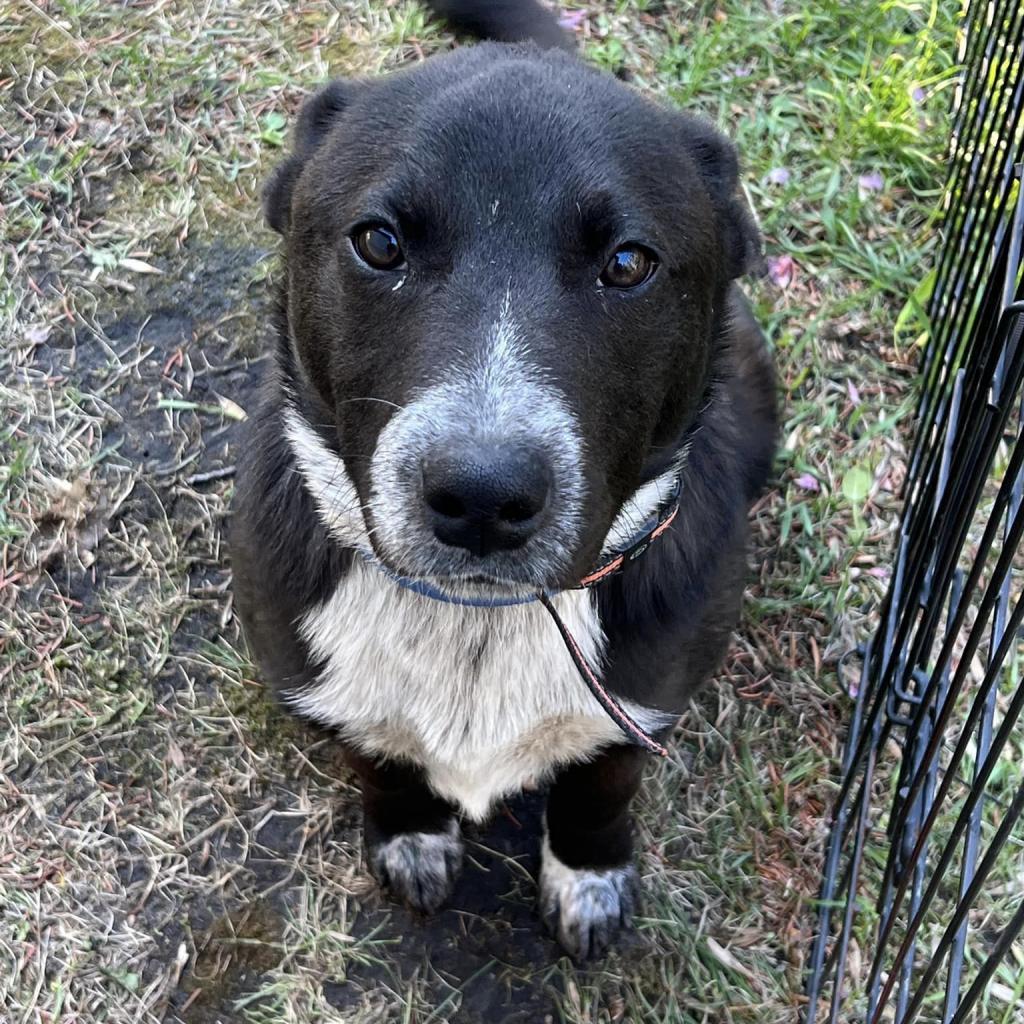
(420, 868)
(586, 908)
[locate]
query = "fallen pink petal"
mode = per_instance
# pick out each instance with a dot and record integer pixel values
(781, 271)
(868, 183)
(572, 19)
(778, 176)
(807, 482)
(854, 394)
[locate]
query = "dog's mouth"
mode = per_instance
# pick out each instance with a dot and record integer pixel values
(518, 580)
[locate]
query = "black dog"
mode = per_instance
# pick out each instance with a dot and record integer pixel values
(510, 346)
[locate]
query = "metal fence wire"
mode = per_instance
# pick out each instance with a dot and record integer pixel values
(922, 904)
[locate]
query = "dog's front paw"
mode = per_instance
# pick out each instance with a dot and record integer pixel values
(420, 868)
(586, 908)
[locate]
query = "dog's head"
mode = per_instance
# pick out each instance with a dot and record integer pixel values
(506, 280)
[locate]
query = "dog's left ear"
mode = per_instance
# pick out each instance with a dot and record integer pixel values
(719, 167)
(318, 115)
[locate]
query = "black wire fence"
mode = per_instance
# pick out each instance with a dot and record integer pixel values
(922, 906)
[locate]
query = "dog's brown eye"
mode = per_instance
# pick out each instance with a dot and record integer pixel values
(629, 266)
(378, 247)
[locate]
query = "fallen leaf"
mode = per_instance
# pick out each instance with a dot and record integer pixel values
(175, 755)
(128, 980)
(139, 266)
(857, 485)
(70, 500)
(232, 410)
(724, 957)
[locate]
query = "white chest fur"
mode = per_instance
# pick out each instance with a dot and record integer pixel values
(485, 699)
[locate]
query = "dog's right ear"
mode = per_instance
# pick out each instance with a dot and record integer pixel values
(318, 115)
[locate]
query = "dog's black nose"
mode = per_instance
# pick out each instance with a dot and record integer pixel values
(486, 497)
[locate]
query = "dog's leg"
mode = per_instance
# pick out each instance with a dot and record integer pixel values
(412, 836)
(588, 883)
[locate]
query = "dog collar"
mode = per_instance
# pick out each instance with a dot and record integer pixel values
(616, 560)
(612, 563)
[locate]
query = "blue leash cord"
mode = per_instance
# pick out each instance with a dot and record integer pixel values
(425, 589)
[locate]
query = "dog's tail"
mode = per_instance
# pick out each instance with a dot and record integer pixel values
(506, 21)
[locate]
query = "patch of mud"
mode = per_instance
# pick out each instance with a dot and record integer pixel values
(484, 958)
(235, 951)
(167, 376)
(193, 341)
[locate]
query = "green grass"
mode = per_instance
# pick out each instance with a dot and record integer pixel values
(150, 794)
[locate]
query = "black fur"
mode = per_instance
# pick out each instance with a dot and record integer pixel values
(506, 21)
(512, 172)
